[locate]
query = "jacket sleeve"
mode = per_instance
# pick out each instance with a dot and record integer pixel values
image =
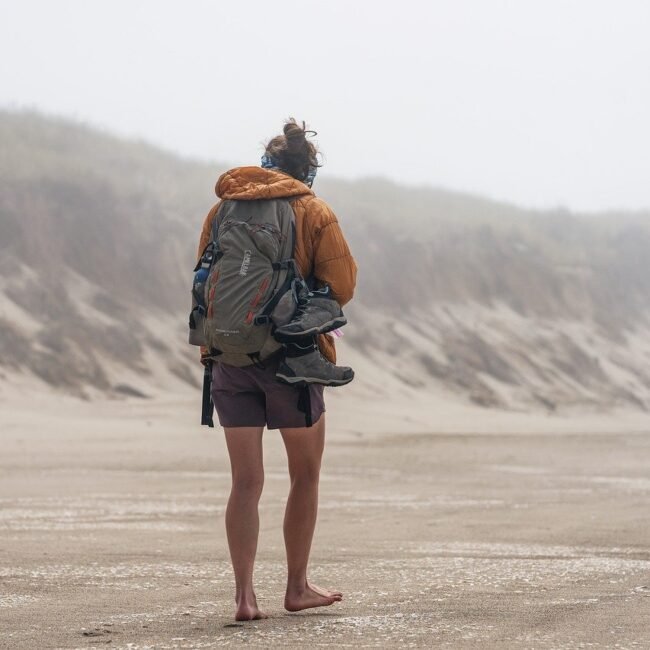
(333, 261)
(204, 240)
(206, 231)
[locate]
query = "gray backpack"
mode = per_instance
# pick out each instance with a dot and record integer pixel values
(246, 281)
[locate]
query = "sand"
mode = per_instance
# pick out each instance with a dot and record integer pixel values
(111, 530)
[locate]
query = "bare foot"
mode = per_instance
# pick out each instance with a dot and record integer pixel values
(249, 611)
(310, 596)
(325, 592)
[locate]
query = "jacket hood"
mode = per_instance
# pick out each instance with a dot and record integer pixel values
(249, 183)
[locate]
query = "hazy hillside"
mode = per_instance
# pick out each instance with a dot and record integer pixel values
(96, 240)
(457, 294)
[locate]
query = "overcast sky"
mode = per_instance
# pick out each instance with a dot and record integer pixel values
(543, 103)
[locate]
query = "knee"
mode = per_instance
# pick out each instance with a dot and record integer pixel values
(305, 476)
(248, 485)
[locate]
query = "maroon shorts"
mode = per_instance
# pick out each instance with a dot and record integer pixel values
(253, 397)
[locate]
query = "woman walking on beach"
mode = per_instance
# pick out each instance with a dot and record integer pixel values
(250, 397)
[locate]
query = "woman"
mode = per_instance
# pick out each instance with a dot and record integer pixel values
(250, 398)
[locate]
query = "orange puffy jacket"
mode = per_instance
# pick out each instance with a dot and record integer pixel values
(321, 250)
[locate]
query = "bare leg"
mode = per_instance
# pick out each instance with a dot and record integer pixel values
(242, 519)
(304, 452)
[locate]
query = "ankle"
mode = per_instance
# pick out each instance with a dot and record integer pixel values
(297, 586)
(246, 596)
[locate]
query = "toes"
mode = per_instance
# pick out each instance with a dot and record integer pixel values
(331, 598)
(328, 593)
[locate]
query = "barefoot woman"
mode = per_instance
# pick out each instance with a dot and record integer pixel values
(248, 399)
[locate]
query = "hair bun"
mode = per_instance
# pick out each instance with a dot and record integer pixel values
(295, 135)
(292, 152)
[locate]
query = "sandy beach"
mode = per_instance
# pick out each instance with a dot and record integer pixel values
(111, 528)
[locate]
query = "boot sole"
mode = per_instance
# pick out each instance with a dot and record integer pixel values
(313, 380)
(321, 329)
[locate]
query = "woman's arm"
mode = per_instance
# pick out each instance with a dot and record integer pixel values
(333, 261)
(204, 240)
(206, 231)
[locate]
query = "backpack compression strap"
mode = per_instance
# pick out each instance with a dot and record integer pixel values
(264, 317)
(304, 404)
(207, 407)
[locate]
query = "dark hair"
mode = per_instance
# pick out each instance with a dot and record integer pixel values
(293, 153)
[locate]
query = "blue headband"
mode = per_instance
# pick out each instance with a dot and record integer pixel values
(269, 162)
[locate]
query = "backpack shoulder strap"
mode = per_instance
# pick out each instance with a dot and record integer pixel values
(286, 266)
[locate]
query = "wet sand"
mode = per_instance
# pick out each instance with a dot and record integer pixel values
(111, 535)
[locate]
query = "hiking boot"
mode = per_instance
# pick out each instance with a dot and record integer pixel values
(317, 313)
(313, 368)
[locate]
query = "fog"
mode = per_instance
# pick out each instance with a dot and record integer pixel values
(538, 103)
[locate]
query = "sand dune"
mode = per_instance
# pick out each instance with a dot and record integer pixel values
(460, 299)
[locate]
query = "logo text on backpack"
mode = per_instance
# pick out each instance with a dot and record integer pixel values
(245, 263)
